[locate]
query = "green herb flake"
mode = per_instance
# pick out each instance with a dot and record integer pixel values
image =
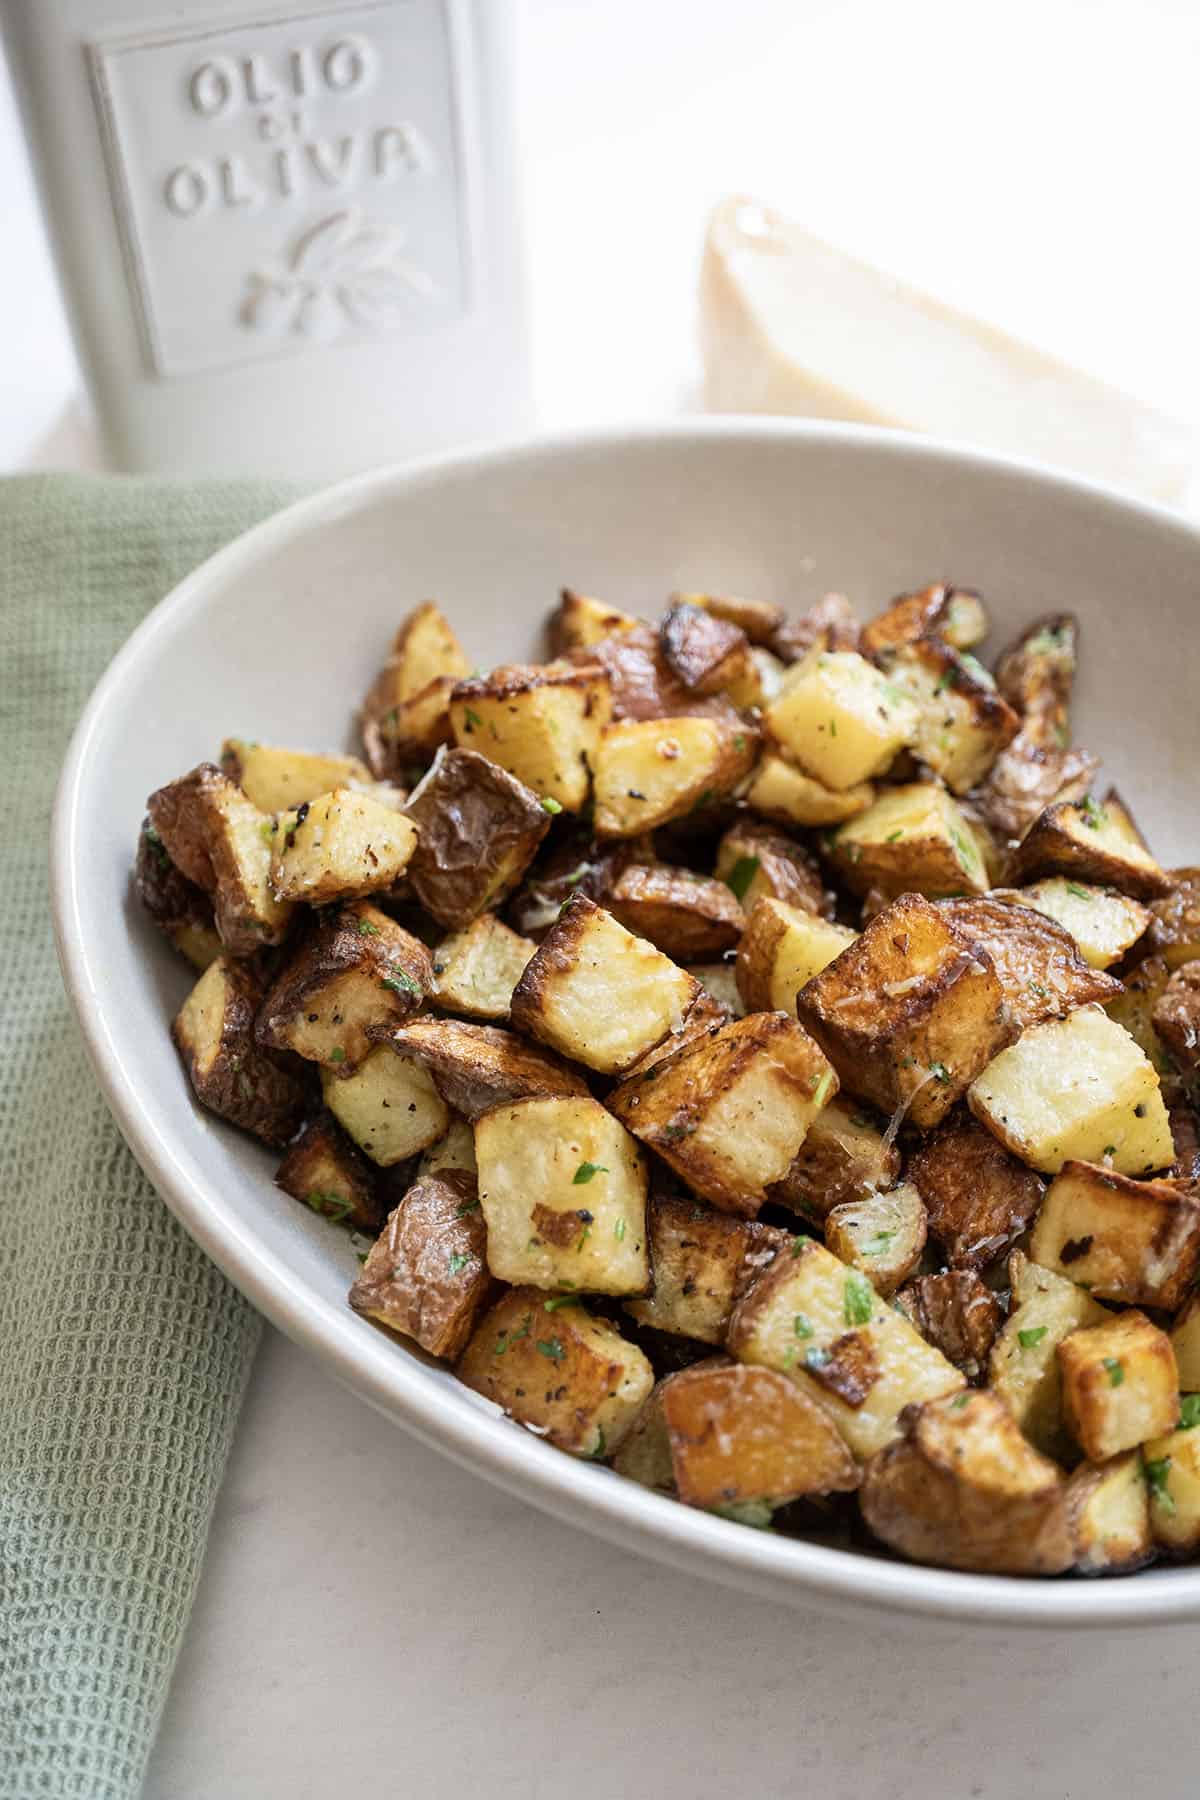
(468, 1206)
(337, 1054)
(619, 1230)
(878, 1243)
(966, 850)
(473, 719)
(1031, 1337)
(267, 830)
(939, 1071)
(739, 742)
(459, 1261)
(552, 1348)
(802, 1325)
(821, 1091)
(1094, 815)
(400, 982)
(858, 1299)
(585, 1172)
(1189, 1411)
(1116, 1370)
(959, 1402)
(893, 836)
(550, 804)
(799, 1243)
(833, 727)
(944, 681)
(1156, 1472)
(331, 1206)
(598, 1453)
(741, 875)
(1079, 893)
(557, 1300)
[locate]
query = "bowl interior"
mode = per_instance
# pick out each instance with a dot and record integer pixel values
(277, 639)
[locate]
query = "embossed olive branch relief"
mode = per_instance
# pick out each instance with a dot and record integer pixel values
(343, 272)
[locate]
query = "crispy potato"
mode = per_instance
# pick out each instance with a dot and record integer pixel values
(324, 1170)
(954, 1311)
(840, 720)
(914, 839)
(843, 1158)
(963, 1488)
(812, 1318)
(354, 974)
(1028, 777)
(230, 1075)
(341, 846)
(703, 1017)
(1133, 1241)
(709, 655)
(1104, 924)
(1036, 674)
(1185, 1136)
(478, 1066)
(1108, 1514)
(1185, 1342)
(570, 1376)
(389, 1106)
(1176, 1018)
(757, 863)
(574, 864)
(1041, 972)
(782, 792)
(220, 841)
(910, 1013)
(1119, 1385)
(1090, 842)
(782, 948)
(1077, 1088)
(581, 621)
(476, 970)
(597, 993)
(955, 615)
(978, 1198)
(455, 1150)
(649, 771)
(830, 624)
(963, 723)
(740, 1434)
(1023, 1368)
(730, 1112)
(719, 981)
(540, 722)
(563, 1190)
(759, 619)
(1174, 932)
(702, 1261)
(480, 829)
(644, 1453)
(1133, 1010)
(426, 1275)
(883, 1234)
(182, 911)
(683, 914)
(407, 710)
(275, 780)
(642, 683)
(1171, 1469)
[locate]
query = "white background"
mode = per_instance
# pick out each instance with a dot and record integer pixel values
(371, 1618)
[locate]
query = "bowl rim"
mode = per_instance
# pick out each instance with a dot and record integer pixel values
(607, 1505)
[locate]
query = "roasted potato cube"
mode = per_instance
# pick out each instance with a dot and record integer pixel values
(356, 973)
(730, 1112)
(581, 621)
(978, 1198)
(341, 846)
(479, 831)
(703, 1017)
(1026, 778)
(759, 619)
(843, 1158)
(649, 771)
(1119, 1385)
(719, 981)
(1023, 1368)
(881, 1234)
(541, 723)
(1104, 924)
(1036, 674)
(642, 683)
(1041, 972)
(275, 780)
(759, 863)
(1133, 1010)
(325, 1171)
(963, 724)
(782, 948)
(955, 615)
(1176, 1018)
(410, 730)
(811, 1317)
(182, 911)
(781, 791)
(220, 841)
(574, 1378)
(597, 993)
(1185, 1342)
(742, 1434)
(1171, 1470)
(709, 655)
(389, 1106)
(829, 624)
(963, 1488)
(407, 711)
(684, 914)
(702, 1261)
(955, 1312)
(477, 1066)
(1076, 1089)
(840, 719)
(563, 1191)
(455, 1150)
(1108, 1512)
(426, 1275)
(230, 1075)
(910, 1013)
(914, 839)
(1090, 842)
(1174, 932)
(644, 1454)
(476, 970)
(1134, 1241)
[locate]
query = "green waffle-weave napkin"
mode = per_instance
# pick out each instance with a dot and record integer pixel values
(123, 1353)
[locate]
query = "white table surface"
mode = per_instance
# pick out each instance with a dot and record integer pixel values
(371, 1618)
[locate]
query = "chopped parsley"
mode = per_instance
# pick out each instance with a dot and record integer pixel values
(468, 1206)
(965, 850)
(267, 830)
(1189, 1411)
(619, 1230)
(1031, 1337)
(1079, 893)
(858, 1299)
(337, 1054)
(802, 1325)
(1094, 815)
(473, 719)
(1116, 1370)
(555, 1301)
(601, 1446)
(550, 804)
(739, 742)
(959, 1402)
(401, 982)
(944, 681)
(333, 1206)
(1156, 1472)
(672, 1132)
(552, 1348)
(878, 1243)
(833, 727)
(939, 1071)
(741, 875)
(821, 1091)
(366, 929)
(893, 835)
(459, 1261)
(585, 1171)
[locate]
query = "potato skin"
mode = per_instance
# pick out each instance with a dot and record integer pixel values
(740, 1433)
(830, 624)
(1041, 972)
(480, 829)
(1059, 843)
(325, 1171)
(426, 1275)
(1025, 779)
(1174, 932)
(231, 1076)
(477, 1066)
(708, 653)
(1036, 674)
(688, 917)
(934, 611)
(703, 1261)
(759, 860)
(1176, 1017)
(979, 1198)
(957, 1313)
(182, 911)
(212, 834)
(395, 976)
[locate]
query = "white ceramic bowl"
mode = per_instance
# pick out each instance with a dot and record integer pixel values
(277, 637)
